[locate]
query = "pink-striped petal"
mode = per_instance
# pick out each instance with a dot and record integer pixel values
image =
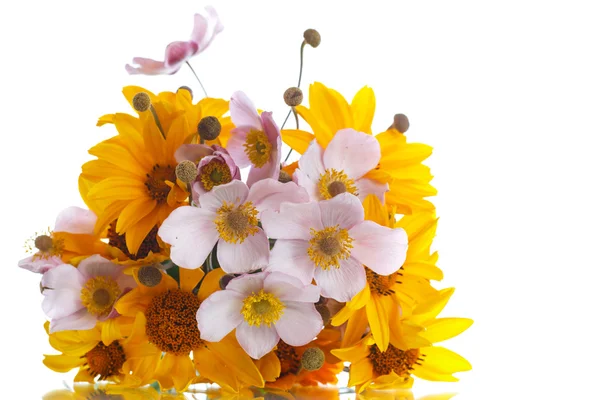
(243, 112)
(289, 288)
(223, 306)
(247, 284)
(268, 194)
(177, 53)
(380, 248)
(192, 234)
(80, 320)
(344, 210)
(76, 220)
(353, 152)
(206, 28)
(299, 324)
(147, 66)
(256, 340)
(251, 254)
(342, 283)
(293, 221)
(366, 186)
(290, 257)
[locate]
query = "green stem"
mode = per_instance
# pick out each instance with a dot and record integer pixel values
(198, 79)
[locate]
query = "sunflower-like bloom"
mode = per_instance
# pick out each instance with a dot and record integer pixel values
(132, 185)
(410, 353)
(167, 312)
(386, 299)
(400, 165)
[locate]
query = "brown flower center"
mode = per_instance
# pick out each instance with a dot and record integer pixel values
(171, 322)
(105, 361)
(155, 182)
(290, 360)
(381, 285)
(150, 243)
(393, 359)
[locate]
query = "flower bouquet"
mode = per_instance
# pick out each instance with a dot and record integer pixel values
(204, 256)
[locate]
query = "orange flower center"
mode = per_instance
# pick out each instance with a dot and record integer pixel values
(381, 285)
(393, 359)
(171, 322)
(288, 357)
(155, 182)
(150, 243)
(105, 361)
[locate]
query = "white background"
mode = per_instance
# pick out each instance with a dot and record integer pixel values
(507, 92)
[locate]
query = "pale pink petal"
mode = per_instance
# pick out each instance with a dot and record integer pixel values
(342, 283)
(206, 28)
(247, 284)
(76, 220)
(299, 324)
(291, 257)
(98, 266)
(177, 53)
(304, 181)
(224, 306)
(355, 153)
(235, 146)
(126, 282)
(288, 288)
(344, 210)
(366, 186)
(62, 291)
(250, 255)
(268, 171)
(80, 320)
(256, 340)
(272, 167)
(40, 265)
(268, 194)
(311, 162)
(293, 221)
(192, 152)
(243, 112)
(147, 66)
(380, 248)
(192, 234)
(234, 192)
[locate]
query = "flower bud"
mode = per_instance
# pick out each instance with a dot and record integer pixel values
(313, 359)
(284, 177)
(293, 96)
(224, 281)
(209, 128)
(401, 123)
(149, 275)
(141, 102)
(325, 314)
(188, 89)
(186, 171)
(43, 243)
(312, 37)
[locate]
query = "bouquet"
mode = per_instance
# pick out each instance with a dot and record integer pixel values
(206, 256)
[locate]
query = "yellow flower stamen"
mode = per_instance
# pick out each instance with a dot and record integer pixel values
(99, 294)
(236, 223)
(393, 359)
(156, 182)
(262, 308)
(214, 173)
(45, 244)
(334, 182)
(329, 246)
(381, 285)
(258, 148)
(105, 361)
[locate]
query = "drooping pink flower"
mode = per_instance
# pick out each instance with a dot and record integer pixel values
(255, 141)
(177, 53)
(341, 167)
(330, 241)
(215, 166)
(262, 308)
(73, 220)
(228, 215)
(77, 298)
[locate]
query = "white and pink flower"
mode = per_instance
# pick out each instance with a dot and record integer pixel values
(228, 216)
(330, 241)
(341, 167)
(256, 140)
(262, 308)
(177, 53)
(77, 298)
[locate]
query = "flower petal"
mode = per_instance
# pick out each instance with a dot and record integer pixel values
(179, 52)
(223, 306)
(342, 283)
(192, 152)
(311, 162)
(234, 192)
(291, 257)
(62, 293)
(380, 248)
(299, 324)
(353, 152)
(192, 234)
(147, 66)
(344, 210)
(268, 194)
(80, 320)
(288, 288)
(256, 340)
(98, 266)
(76, 220)
(366, 186)
(293, 221)
(40, 265)
(251, 254)
(247, 284)
(243, 112)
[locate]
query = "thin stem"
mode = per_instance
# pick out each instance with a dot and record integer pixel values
(293, 109)
(155, 115)
(198, 79)
(301, 61)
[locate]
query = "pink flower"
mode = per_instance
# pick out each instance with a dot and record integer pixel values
(341, 167)
(256, 140)
(72, 220)
(228, 215)
(177, 53)
(330, 241)
(262, 308)
(215, 166)
(76, 298)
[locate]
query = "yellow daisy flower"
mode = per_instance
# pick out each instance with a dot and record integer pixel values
(400, 165)
(168, 312)
(410, 353)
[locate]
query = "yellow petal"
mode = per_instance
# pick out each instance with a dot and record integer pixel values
(84, 376)
(432, 306)
(445, 328)
(134, 212)
(239, 362)
(189, 278)
(297, 139)
(175, 372)
(442, 360)
(62, 363)
(375, 211)
(378, 310)
(110, 331)
(138, 232)
(363, 109)
(361, 372)
(356, 327)
(106, 119)
(269, 367)
(210, 284)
